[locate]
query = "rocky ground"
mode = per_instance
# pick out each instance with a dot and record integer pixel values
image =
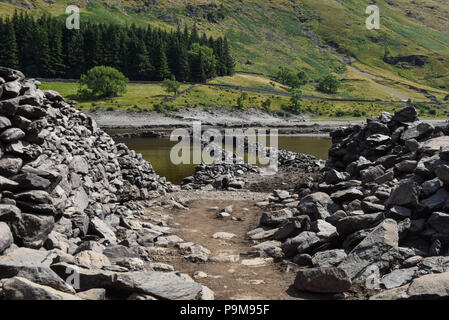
(84, 218)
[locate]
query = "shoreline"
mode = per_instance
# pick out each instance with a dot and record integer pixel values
(219, 118)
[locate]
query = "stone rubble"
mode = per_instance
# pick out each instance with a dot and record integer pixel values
(377, 216)
(68, 206)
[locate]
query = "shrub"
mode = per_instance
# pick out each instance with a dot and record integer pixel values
(340, 113)
(329, 84)
(356, 113)
(241, 99)
(158, 108)
(171, 85)
(104, 82)
(266, 104)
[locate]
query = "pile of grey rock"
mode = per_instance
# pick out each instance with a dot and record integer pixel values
(230, 173)
(377, 216)
(69, 226)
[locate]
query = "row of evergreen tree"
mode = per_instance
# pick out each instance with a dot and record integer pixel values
(44, 47)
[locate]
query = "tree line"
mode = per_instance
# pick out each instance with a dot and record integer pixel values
(44, 47)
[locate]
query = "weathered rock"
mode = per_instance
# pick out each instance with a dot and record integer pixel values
(5, 237)
(354, 223)
(444, 152)
(275, 218)
(79, 165)
(11, 135)
(322, 280)
(434, 145)
(318, 197)
(372, 173)
(163, 285)
(434, 202)
(407, 114)
(334, 177)
(398, 277)
(440, 222)
(91, 259)
(417, 131)
(9, 213)
(398, 212)
(101, 229)
(406, 166)
(347, 195)
(355, 167)
(405, 194)
(442, 172)
(379, 248)
(328, 258)
(92, 294)
(194, 252)
(33, 265)
(19, 288)
(11, 89)
(32, 230)
(431, 186)
(431, 286)
(31, 181)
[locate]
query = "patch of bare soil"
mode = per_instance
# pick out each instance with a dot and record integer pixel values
(284, 179)
(230, 279)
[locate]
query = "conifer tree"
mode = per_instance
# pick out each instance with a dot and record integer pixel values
(75, 55)
(228, 59)
(162, 70)
(9, 51)
(56, 56)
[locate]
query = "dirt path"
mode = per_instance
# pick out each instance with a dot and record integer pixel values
(230, 280)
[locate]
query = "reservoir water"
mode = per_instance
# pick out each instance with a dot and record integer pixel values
(157, 152)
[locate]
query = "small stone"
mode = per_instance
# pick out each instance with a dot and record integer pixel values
(223, 235)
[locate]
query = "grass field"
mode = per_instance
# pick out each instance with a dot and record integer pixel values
(148, 97)
(139, 97)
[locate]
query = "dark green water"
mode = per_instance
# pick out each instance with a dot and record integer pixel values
(157, 152)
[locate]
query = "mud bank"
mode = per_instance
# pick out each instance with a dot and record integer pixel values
(225, 118)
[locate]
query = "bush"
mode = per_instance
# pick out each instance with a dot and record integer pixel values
(158, 108)
(171, 85)
(340, 113)
(295, 106)
(266, 104)
(289, 77)
(241, 99)
(329, 84)
(446, 98)
(357, 113)
(104, 82)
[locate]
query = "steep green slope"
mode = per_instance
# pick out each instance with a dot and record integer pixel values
(265, 34)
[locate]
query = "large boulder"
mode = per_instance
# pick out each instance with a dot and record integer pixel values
(406, 194)
(322, 280)
(357, 222)
(275, 218)
(430, 286)
(162, 285)
(379, 248)
(32, 230)
(408, 114)
(19, 288)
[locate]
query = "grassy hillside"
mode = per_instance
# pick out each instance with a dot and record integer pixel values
(313, 35)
